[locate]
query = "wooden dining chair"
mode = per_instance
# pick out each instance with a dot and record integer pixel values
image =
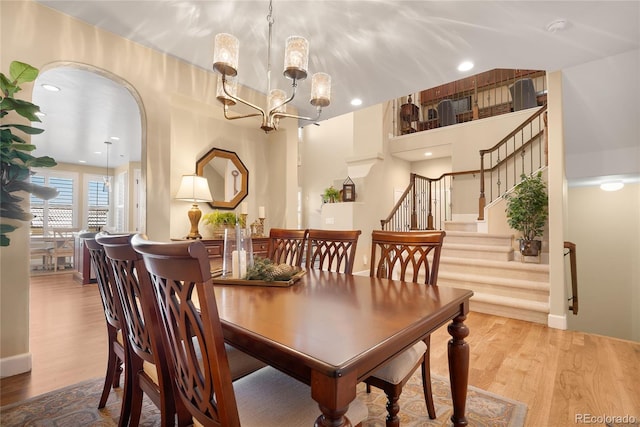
(113, 315)
(286, 246)
(412, 256)
(147, 371)
(332, 250)
(267, 397)
(63, 247)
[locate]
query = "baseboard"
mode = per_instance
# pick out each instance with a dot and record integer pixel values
(557, 322)
(14, 365)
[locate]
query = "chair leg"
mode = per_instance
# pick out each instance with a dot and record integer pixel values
(118, 372)
(112, 363)
(393, 408)
(426, 380)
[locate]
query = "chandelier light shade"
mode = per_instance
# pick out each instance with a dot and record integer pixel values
(225, 54)
(194, 189)
(320, 90)
(296, 58)
(296, 65)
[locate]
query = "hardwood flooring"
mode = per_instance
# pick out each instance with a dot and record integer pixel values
(558, 374)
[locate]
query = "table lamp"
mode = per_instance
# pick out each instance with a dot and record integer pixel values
(194, 189)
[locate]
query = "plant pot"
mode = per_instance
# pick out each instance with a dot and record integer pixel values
(530, 247)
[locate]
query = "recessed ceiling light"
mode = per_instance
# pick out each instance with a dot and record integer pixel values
(428, 153)
(356, 101)
(115, 138)
(97, 152)
(51, 88)
(612, 186)
(465, 66)
(556, 25)
(82, 161)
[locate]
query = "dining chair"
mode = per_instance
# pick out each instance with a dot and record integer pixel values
(332, 250)
(267, 397)
(286, 246)
(412, 256)
(113, 315)
(147, 371)
(64, 245)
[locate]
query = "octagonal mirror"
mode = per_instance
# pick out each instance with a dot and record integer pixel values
(227, 176)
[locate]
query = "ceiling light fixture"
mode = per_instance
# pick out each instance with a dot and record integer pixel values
(465, 66)
(356, 102)
(296, 60)
(106, 180)
(428, 153)
(556, 25)
(612, 186)
(51, 88)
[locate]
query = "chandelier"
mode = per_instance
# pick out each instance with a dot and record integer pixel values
(296, 61)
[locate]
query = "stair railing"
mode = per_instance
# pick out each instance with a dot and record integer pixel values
(425, 203)
(523, 151)
(574, 276)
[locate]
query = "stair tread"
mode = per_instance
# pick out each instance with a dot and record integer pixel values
(511, 302)
(494, 280)
(477, 234)
(515, 265)
(486, 248)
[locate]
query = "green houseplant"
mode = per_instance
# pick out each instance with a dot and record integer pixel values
(16, 161)
(218, 221)
(331, 195)
(527, 211)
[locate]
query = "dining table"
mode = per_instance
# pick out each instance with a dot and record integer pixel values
(332, 330)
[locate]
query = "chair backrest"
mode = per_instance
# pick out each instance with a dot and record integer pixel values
(406, 254)
(136, 296)
(179, 271)
(523, 94)
(332, 250)
(446, 114)
(106, 282)
(286, 246)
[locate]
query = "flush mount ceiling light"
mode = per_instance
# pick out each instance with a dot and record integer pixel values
(556, 25)
(50, 88)
(356, 102)
(428, 153)
(465, 66)
(296, 60)
(612, 186)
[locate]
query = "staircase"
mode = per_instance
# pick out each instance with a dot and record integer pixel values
(485, 263)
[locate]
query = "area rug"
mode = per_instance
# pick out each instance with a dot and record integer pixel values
(76, 406)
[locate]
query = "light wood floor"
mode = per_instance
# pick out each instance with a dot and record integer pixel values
(558, 374)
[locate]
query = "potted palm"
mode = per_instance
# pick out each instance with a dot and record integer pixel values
(527, 211)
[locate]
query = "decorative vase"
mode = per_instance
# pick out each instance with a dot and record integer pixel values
(530, 247)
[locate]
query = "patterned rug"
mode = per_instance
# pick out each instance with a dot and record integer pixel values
(76, 406)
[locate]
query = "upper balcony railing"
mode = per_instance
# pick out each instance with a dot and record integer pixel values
(483, 95)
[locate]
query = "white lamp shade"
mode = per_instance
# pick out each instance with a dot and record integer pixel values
(232, 88)
(296, 58)
(276, 99)
(225, 54)
(320, 90)
(194, 188)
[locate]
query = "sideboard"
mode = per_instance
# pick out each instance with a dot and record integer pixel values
(215, 248)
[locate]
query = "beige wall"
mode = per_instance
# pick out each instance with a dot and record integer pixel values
(605, 226)
(42, 37)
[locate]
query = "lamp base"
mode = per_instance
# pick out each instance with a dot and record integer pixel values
(194, 217)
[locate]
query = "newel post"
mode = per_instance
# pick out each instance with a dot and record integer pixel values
(482, 199)
(414, 213)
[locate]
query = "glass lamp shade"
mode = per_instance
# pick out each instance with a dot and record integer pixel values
(194, 188)
(276, 101)
(296, 58)
(320, 90)
(232, 88)
(225, 54)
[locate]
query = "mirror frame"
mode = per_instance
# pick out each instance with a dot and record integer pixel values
(244, 173)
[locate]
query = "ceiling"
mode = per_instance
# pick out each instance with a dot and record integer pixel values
(374, 50)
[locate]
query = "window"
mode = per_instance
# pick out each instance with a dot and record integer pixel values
(97, 203)
(56, 212)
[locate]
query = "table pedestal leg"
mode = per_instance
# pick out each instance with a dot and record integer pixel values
(458, 368)
(331, 418)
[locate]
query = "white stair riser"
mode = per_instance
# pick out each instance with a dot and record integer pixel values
(494, 269)
(511, 312)
(531, 294)
(478, 239)
(499, 255)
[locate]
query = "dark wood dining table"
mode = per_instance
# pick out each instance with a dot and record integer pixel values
(332, 330)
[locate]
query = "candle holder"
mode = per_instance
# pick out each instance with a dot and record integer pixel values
(257, 228)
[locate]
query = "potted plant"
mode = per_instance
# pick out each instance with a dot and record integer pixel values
(527, 211)
(16, 162)
(331, 195)
(219, 221)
